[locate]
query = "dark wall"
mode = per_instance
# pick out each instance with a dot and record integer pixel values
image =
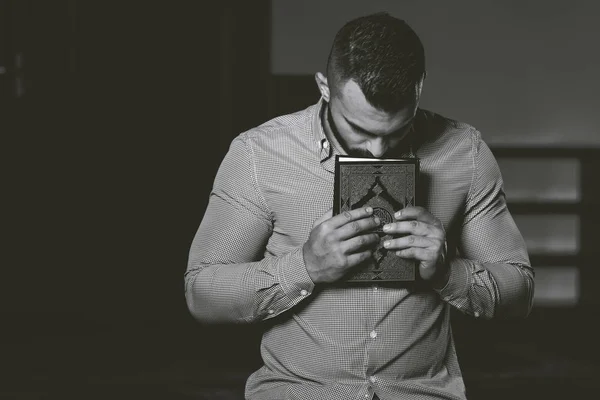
(127, 113)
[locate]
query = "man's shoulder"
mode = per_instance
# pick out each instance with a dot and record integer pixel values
(281, 128)
(437, 121)
(439, 130)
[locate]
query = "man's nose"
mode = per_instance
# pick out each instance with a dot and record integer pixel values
(378, 147)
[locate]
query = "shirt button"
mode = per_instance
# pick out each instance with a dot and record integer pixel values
(373, 379)
(325, 144)
(375, 288)
(476, 314)
(303, 292)
(373, 334)
(271, 311)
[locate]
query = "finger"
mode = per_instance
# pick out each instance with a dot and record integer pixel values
(349, 216)
(417, 213)
(357, 258)
(417, 253)
(427, 270)
(359, 243)
(412, 241)
(414, 227)
(324, 217)
(357, 227)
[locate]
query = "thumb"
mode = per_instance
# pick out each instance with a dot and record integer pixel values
(426, 270)
(323, 217)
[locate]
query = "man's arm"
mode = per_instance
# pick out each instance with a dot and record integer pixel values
(493, 275)
(228, 277)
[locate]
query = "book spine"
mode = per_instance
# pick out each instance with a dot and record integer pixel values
(336, 187)
(418, 188)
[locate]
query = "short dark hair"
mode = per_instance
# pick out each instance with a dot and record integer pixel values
(383, 55)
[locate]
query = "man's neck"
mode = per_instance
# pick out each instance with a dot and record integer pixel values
(330, 133)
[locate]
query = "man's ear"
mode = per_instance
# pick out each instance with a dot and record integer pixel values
(323, 86)
(420, 84)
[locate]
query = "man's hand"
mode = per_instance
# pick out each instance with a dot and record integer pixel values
(425, 241)
(339, 243)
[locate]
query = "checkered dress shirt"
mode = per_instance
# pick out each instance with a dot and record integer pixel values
(335, 342)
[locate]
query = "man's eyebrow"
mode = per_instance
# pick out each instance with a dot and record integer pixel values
(358, 128)
(363, 130)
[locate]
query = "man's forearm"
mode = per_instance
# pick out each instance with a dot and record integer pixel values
(489, 289)
(246, 292)
(516, 285)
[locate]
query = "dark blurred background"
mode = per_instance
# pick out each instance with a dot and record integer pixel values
(116, 114)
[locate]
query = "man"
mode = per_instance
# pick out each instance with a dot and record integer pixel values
(269, 250)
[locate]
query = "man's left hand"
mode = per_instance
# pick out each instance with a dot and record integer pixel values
(423, 239)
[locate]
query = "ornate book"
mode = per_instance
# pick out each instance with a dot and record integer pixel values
(387, 185)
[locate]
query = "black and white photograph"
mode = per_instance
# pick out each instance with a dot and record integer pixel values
(300, 200)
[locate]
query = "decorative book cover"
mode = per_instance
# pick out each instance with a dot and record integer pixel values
(387, 185)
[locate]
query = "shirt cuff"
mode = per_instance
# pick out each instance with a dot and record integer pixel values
(458, 281)
(294, 277)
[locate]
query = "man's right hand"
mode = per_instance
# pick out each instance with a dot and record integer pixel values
(339, 243)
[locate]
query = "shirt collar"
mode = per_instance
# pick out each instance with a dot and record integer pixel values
(324, 148)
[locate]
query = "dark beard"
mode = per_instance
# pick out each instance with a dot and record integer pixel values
(391, 153)
(336, 133)
(360, 153)
(356, 152)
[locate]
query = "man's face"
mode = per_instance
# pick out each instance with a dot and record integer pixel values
(363, 130)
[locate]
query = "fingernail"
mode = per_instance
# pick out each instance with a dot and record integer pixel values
(386, 244)
(369, 210)
(377, 220)
(398, 214)
(386, 228)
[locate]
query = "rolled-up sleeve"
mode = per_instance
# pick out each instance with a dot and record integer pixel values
(228, 276)
(492, 275)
